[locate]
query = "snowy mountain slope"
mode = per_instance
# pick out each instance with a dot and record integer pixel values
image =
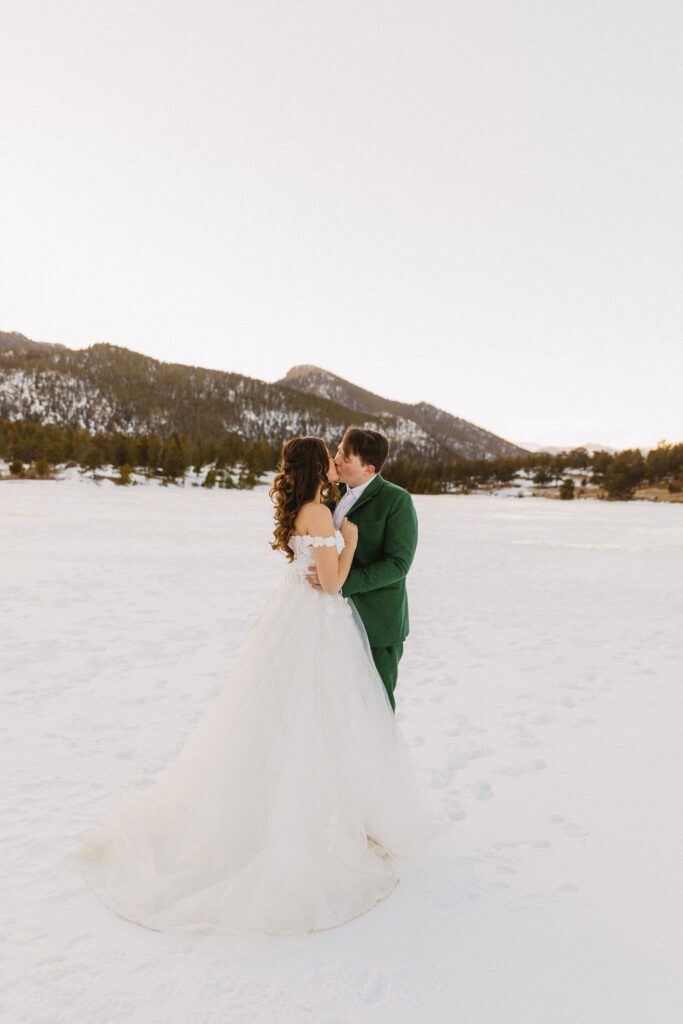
(452, 432)
(108, 388)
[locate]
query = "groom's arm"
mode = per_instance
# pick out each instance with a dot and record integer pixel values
(400, 541)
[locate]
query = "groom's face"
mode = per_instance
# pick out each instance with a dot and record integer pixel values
(351, 470)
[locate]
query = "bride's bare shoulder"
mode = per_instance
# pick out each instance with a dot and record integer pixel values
(314, 519)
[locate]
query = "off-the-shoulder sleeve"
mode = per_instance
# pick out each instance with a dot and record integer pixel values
(327, 542)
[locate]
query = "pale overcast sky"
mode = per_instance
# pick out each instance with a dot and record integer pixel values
(475, 204)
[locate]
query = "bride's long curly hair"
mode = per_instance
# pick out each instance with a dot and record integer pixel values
(304, 464)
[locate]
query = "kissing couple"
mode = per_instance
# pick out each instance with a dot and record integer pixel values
(294, 805)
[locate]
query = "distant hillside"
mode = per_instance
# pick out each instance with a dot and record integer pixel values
(108, 388)
(450, 432)
(12, 341)
(553, 449)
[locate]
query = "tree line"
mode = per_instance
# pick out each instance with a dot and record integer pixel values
(42, 446)
(619, 474)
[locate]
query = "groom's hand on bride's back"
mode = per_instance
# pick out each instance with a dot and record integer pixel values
(314, 579)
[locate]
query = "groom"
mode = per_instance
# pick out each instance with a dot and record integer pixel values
(387, 537)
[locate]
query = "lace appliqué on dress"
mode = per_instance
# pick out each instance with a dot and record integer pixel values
(302, 546)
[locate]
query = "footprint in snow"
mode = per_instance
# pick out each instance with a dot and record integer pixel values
(543, 897)
(543, 718)
(460, 760)
(568, 828)
(454, 810)
(439, 779)
(463, 727)
(375, 987)
(525, 768)
(579, 723)
(524, 738)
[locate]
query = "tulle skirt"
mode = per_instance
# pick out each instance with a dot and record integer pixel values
(294, 804)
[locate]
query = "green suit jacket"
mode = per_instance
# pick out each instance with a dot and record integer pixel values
(387, 538)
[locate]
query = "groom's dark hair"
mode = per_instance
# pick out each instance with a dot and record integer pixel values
(370, 446)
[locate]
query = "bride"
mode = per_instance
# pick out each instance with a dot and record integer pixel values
(294, 804)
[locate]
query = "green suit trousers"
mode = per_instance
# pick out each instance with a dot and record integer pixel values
(386, 661)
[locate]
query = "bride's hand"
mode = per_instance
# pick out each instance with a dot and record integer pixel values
(349, 532)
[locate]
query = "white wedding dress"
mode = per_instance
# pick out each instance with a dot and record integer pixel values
(294, 804)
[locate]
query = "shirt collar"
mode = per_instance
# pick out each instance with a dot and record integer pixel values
(357, 491)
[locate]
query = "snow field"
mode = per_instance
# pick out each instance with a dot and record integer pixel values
(539, 691)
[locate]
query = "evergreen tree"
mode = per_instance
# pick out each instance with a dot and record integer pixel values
(259, 457)
(578, 458)
(600, 462)
(558, 464)
(396, 472)
(504, 470)
(175, 459)
(229, 451)
(121, 450)
(624, 473)
(246, 480)
(93, 457)
(154, 453)
(664, 463)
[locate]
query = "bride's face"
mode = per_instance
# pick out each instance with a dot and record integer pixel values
(332, 474)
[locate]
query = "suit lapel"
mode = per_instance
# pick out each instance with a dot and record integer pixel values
(368, 494)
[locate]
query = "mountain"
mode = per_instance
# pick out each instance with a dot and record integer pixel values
(453, 434)
(12, 341)
(107, 388)
(591, 447)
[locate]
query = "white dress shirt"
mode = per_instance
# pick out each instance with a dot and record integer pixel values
(349, 498)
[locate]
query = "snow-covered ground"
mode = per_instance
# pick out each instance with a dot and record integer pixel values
(540, 692)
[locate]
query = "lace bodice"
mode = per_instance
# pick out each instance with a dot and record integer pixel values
(302, 545)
